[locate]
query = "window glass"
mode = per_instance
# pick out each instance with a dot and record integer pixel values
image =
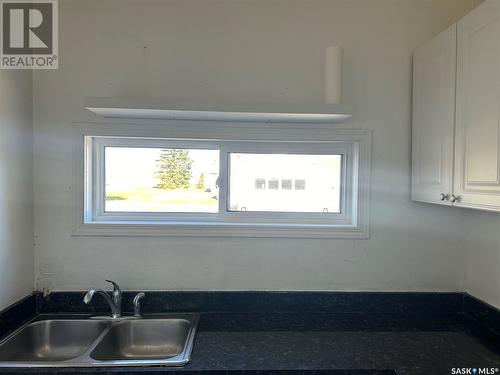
(161, 180)
(316, 180)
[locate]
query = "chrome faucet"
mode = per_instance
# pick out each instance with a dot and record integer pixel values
(114, 303)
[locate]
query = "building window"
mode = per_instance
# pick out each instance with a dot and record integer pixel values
(260, 183)
(154, 185)
(300, 184)
(286, 184)
(274, 184)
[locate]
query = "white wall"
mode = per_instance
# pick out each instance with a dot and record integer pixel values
(482, 264)
(190, 51)
(16, 186)
(482, 260)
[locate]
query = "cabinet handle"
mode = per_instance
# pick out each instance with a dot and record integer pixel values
(443, 196)
(454, 198)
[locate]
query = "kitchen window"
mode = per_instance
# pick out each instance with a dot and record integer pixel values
(157, 185)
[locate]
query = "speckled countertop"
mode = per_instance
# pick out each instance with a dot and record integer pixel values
(263, 343)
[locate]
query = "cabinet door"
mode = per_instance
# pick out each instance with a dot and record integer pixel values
(434, 119)
(477, 151)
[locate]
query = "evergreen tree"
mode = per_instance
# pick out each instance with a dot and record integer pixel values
(174, 169)
(201, 182)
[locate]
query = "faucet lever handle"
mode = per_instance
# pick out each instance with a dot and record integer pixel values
(117, 293)
(137, 304)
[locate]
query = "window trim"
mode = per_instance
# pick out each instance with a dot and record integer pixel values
(276, 137)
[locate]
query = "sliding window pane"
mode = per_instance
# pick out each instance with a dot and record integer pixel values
(295, 182)
(161, 180)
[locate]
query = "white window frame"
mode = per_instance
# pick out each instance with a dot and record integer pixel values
(95, 181)
(353, 144)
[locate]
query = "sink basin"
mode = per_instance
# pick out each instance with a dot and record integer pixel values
(143, 340)
(165, 340)
(52, 340)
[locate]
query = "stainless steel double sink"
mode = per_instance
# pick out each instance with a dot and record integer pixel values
(166, 340)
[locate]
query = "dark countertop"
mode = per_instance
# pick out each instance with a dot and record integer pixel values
(263, 343)
(410, 344)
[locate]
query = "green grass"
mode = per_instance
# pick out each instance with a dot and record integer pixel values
(153, 199)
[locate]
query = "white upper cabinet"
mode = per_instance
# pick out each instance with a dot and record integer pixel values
(477, 150)
(433, 119)
(456, 133)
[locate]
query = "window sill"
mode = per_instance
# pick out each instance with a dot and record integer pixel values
(149, 229)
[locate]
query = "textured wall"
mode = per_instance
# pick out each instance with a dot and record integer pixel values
(189, 51)
(16, 186)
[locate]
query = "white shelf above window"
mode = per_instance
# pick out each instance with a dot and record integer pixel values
(284, 113)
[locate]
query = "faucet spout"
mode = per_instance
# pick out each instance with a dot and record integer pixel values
(115, 311)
